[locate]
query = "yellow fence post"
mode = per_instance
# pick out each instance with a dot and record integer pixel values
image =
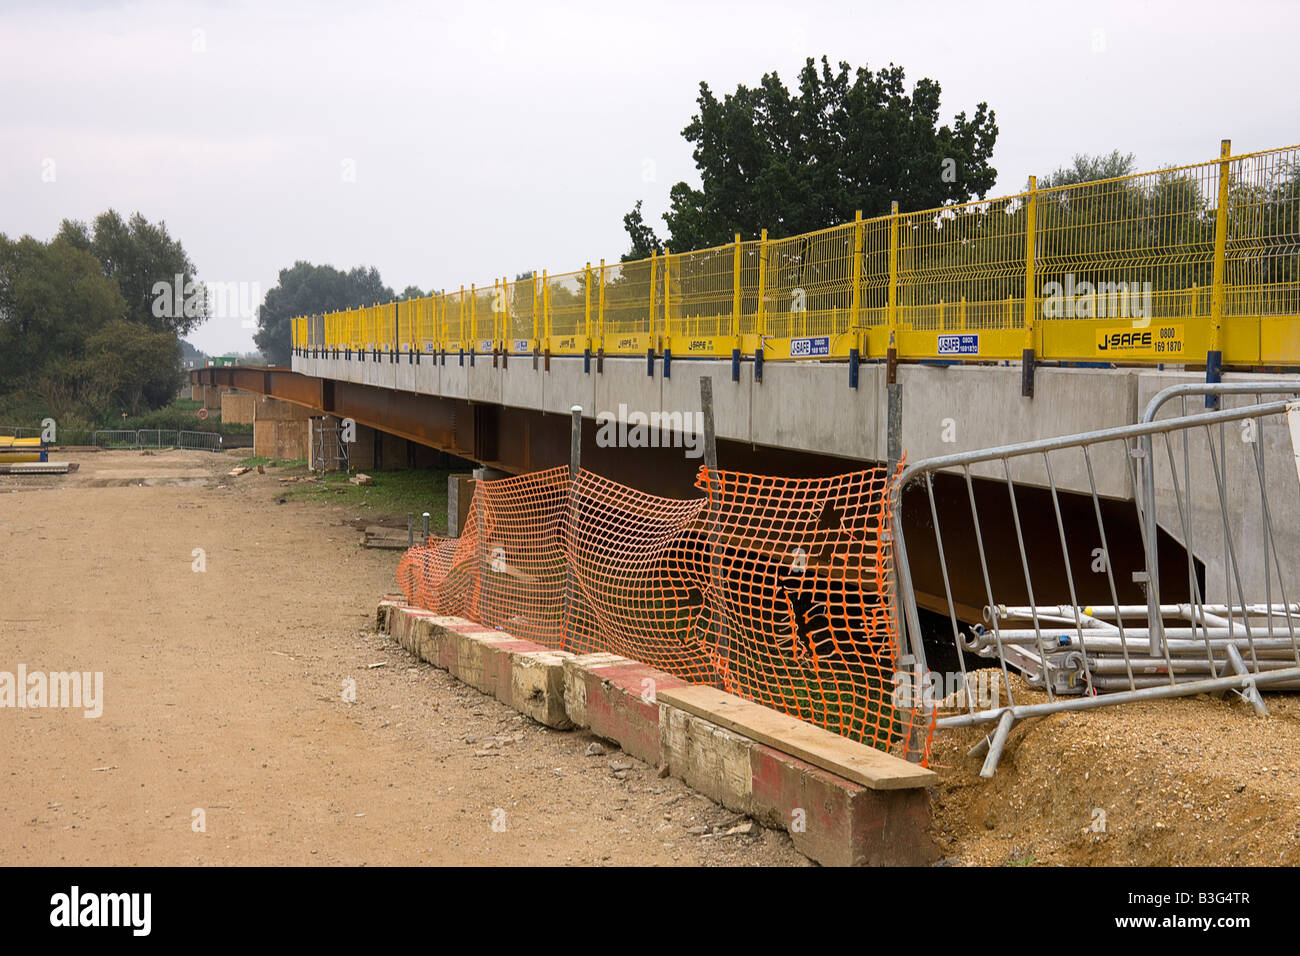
(536, 318)
(735, 302)
(498, 317)
(546, 317)
(600, 322)
(586, 292)
(439, 322)
(855, 306)
(762, 293)
(891, 301)
(1218, 291)
(654, 262)
(667, 307)
(1027, 355)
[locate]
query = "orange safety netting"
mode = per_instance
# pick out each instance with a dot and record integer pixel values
(778, 590)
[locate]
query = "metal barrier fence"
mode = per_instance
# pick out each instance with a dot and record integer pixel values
(115, 438)
(777, 590)
(156, 438)
(199, 441)
(1194, 264)
(1210, 547)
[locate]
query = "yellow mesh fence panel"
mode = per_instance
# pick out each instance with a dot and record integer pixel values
(406, 323)
(778, 590)
(701, 289)
(426, 326)
(1139, 246)
(810, 284)
(627, 303)
(963, 266)
(1213, 245)
(1262, 255)
(522, 298)
(567, 304)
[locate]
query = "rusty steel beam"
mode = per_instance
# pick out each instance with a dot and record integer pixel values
(514, 440)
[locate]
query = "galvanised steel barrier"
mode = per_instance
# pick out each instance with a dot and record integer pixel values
(115, 438)
(1193, 264)
(1211, 546)
(156, 437)
(199, 441)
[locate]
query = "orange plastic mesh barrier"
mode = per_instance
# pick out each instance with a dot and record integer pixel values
(777, 590)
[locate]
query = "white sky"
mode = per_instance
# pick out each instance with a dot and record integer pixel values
(489, 139)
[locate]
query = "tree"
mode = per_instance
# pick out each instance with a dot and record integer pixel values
(1087, 169)
(139, 255)
(794, 163)
(143, 365)
(411, 292)
(644, 240)
(306, 289)
(53, 296)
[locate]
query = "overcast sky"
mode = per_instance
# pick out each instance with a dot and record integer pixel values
(449, 145)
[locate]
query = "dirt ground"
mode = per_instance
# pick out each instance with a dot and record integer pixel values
(1192, 781)
(222, 694)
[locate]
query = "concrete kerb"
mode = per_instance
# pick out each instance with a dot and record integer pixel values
(831, 819)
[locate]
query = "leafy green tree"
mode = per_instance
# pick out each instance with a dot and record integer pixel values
(798, 162)
(412, 292)
(139, 255)
(143, 365)
(53, 296)
(644, 240)
(1087, 169)
(306, 289)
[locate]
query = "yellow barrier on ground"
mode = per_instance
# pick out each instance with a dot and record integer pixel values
(1174, 266)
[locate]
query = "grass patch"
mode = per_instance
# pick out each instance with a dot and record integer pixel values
(394, 494)
(255, 460)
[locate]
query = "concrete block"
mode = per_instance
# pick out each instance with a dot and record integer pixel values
(731, 400)
(809, 406)
(483, 659)
(484, 381)
(537, 686)
(274, 410)
(575, 683)
(453, 378)
(238, 407)
(621, 705)
(566, 385)
(521, 384)
(708, 758)
(835, 821)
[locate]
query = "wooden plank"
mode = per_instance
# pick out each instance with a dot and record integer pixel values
(815, 745)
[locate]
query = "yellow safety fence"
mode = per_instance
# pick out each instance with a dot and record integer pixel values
(1158, 267)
